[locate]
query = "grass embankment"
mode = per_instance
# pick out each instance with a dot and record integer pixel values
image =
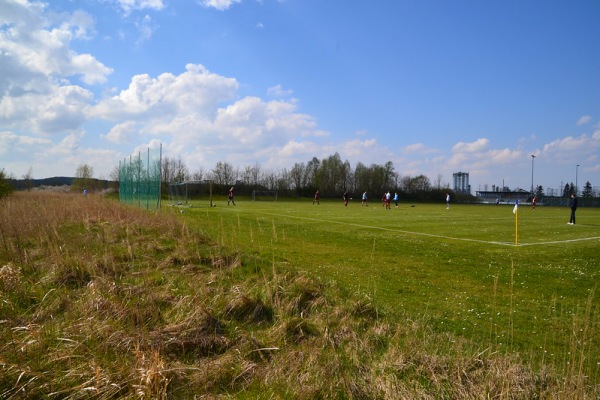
(103, 301)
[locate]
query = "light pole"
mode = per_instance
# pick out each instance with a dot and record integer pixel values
(576, 175)
(532, 158)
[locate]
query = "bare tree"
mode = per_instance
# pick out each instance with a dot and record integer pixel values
(174, 170)
(83, 178)
(224, 173)
(199, 174)
(256, 172)
(28, 178)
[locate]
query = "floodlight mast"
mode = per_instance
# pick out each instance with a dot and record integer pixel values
(576, 176)
(532, 159)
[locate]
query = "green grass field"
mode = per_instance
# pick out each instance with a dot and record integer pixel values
(459, 268)
(279, 300)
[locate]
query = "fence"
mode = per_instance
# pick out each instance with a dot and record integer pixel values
(140, 179)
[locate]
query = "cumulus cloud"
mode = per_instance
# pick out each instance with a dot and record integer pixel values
(146, 28)
(476, 146)
(584, 120)
(197, 114)
(60, 109)
(418, 148)
(131, 5)
(195, 91)
(34, 46)
(279, 91)
(219, 4)
(11, 143)
(38, 63)
(567, 144)
(122, 133)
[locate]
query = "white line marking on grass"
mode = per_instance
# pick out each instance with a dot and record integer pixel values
(561, 241)
(512, 244)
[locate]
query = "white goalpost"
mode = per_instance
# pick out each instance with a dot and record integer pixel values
(191, 193)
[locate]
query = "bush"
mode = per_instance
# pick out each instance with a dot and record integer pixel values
(5, 188)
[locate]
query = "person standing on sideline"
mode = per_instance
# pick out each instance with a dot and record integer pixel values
(364, 200)
(447, 200)
(316, 200)
(533, 203)
(230, 196)
(345, 198)
(396, 199)
(573, 206)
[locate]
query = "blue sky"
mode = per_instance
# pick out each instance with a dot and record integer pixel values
(435, 86)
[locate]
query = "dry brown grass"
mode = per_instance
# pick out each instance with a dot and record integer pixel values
(103, 301)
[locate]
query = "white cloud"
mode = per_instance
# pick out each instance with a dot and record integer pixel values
(196, 91)
(132, 5)
(62, 108)
(567, 144)
(122, 133)
(12, 143)
(146, 28)
(34, 45)
(279, 91)
(584, 120)
(476, 146)
(418, 148)
(219, 4)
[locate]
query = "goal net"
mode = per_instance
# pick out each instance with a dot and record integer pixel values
(264, 195)
(140, 179)
(191, 194)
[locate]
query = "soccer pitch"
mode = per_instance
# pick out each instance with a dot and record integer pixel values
(459, 268)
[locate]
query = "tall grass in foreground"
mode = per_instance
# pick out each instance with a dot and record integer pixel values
(98, 300)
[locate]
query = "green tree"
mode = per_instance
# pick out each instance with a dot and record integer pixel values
(5, 188)
(298, 177)
(539, 191)
(587, 190)
(569, 188)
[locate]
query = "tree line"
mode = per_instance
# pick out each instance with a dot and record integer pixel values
(332, 176)
(569, 189)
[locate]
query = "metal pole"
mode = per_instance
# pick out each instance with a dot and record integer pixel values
(532, 159)
(576, 176)
(147, 178)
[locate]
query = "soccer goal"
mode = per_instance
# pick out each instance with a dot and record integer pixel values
(264, 195)
(191, 194)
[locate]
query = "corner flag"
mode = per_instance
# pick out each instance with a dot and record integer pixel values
(516, 207)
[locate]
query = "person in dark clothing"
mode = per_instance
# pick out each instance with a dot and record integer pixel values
(230, 196)
(573, 206)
